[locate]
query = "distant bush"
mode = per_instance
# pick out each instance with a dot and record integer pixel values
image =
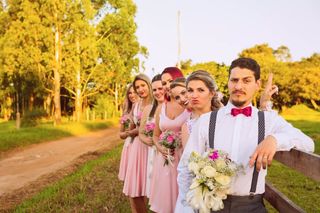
(105, 107)
(33, 118)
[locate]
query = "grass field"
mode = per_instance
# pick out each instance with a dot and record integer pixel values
(301, 190)
(11, 138)
(95, 187)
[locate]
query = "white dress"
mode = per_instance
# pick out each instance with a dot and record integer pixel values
(181, 207)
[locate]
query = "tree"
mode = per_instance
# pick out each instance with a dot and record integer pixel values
(21, 58)
(282, 54)
(54, 44)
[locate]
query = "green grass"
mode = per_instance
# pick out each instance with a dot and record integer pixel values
(306, 119)
(93, 188)
(301, 190)
(11, 138)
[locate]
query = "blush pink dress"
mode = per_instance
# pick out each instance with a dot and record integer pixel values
(124, 158)
(136, 174)
(164, 186)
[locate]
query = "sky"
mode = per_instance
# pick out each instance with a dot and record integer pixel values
(218, 30)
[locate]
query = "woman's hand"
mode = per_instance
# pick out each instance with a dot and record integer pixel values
(165, 151)
(124, 135)
(149, 141)
(132, 133)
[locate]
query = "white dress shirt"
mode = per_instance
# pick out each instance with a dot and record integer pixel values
(238, 136)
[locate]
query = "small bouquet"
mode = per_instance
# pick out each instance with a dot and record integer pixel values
(125, 120)
(170, 140)
(149, 127)
(212, 172)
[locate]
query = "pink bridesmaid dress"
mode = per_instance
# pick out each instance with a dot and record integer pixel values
(164, 186)
(124, 158)
(136, 173)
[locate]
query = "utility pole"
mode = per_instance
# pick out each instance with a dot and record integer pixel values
(179, 42)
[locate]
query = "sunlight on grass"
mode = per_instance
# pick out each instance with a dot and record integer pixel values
(11, 138)
(306, 119)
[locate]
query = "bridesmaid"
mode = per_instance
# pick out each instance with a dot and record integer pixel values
(148, 123)
(135, 179)
(169, 116)
(126, 120)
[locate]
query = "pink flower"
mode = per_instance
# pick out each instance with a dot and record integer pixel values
(125, 120)
(214, 155)
(170, 138)
(150, 127)
(161, 137)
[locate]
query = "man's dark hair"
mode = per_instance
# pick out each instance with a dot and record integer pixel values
(247, 63)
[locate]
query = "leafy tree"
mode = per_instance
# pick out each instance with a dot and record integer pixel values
(282, 54)
(86, 47)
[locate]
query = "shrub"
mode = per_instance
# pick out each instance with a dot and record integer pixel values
(33, 118)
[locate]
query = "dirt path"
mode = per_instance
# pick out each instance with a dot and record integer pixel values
(40, 162)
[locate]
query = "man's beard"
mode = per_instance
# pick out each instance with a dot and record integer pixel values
(238, 103)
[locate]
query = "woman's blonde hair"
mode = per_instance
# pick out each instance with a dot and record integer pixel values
(210, 83)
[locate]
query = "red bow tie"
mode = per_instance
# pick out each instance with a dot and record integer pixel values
(246, 111)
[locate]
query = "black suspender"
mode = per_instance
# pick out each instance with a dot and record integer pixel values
(261, 133)
(212, 127)
(261, 129)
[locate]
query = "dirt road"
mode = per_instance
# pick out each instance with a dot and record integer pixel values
(26, 166)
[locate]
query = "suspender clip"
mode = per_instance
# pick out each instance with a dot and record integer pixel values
(251, 195)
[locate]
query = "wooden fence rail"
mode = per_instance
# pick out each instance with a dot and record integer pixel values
(307, 163)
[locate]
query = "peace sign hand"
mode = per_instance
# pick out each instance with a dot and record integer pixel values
(268, 92)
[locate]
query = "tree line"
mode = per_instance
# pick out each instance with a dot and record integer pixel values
(68, 56)
(298, 81)
(60, 55)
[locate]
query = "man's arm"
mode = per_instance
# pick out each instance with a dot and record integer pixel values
(282, 136)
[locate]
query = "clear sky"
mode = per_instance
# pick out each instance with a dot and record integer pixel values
(218, 30)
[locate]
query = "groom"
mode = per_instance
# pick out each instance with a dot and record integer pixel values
(235, 130)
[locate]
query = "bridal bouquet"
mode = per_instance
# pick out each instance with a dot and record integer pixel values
(149, 127)
(212, 172)
(171, 140)
(125, 120)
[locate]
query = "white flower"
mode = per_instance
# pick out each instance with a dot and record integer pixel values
(220, 164)
(222, 193)
(213, 202)
(211, 181)
(201, 164)
(194, 198)
(209, 171)
(217, 204)
(210, 184)
(192, 166)
(194, 184)
(223, 179)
